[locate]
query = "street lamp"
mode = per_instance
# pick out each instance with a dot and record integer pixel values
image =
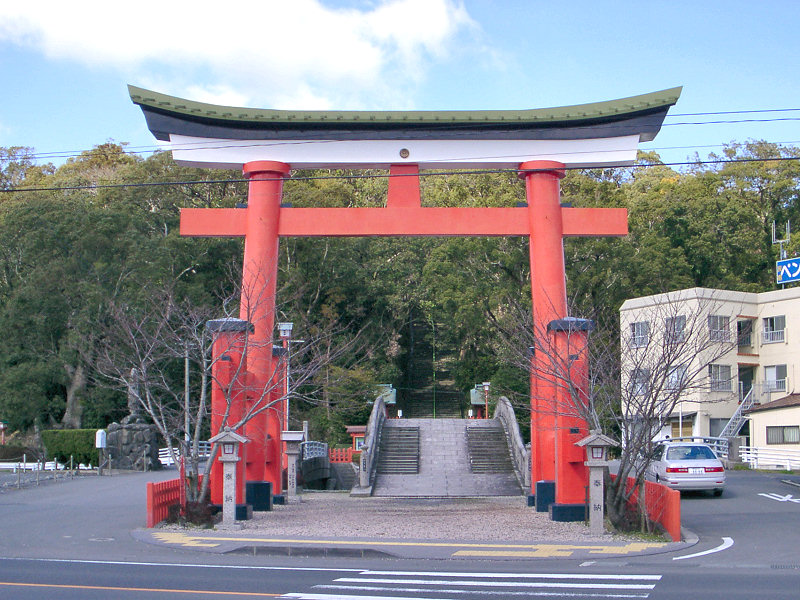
(285, 332)
(486, 385)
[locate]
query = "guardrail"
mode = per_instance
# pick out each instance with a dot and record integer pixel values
(203, 448)
(50, 465)
(718, 444)
(764, 458)
(313, 449)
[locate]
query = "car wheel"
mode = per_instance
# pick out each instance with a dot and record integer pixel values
(718, 492)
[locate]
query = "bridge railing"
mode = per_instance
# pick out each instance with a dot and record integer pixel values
(504, 412)
(372, 438)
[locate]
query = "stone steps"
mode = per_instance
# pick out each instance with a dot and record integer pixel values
(488, 450)
(444, 463)
(399, 451)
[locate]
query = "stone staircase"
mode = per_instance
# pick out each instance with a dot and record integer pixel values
(399, 451)
(488, 448)
(444, 467)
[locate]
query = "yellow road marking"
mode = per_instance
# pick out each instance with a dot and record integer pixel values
(474, 549)
(136, 589)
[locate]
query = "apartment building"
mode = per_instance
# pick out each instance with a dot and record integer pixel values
(742, 350)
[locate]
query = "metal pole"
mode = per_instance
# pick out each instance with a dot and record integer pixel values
(186, 396)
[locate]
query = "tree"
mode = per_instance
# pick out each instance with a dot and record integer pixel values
(635, 381)
(145, 347)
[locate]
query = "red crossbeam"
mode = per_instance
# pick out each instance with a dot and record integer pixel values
(403, 221)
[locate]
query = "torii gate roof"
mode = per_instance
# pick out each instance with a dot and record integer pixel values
(596, 134)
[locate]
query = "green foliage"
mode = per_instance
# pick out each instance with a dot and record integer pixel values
(66, 255)
(77, 443)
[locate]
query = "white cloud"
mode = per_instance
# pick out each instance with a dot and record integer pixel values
(299, 53)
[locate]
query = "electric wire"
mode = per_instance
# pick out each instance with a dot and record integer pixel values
(385, 175)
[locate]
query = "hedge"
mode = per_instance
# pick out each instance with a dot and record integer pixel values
(60, 444)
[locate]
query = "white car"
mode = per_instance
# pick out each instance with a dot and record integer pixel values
(686, 466)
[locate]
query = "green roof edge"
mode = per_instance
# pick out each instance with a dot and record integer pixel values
(578, 112)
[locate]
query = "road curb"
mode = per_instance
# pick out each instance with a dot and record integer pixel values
(215, 542)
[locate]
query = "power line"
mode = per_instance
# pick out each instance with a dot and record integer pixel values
(384, 175)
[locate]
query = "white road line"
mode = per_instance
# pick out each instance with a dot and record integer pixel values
(726, 543)
(303, 596)
(185, 565)
(513, 575)
(472, 583)
(503, 593)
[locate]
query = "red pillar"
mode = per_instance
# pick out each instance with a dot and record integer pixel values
(549, 298)
(260, 271)
(569, 340)
(228, 374)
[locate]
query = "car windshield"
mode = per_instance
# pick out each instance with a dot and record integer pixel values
(690, 453)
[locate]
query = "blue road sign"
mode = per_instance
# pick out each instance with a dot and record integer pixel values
(788, 270)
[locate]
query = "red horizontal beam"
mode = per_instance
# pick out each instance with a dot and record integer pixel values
(403, 221)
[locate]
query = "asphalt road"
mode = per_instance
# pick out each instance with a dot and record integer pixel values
(64, 543)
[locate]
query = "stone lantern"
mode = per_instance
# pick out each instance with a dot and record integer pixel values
(229, 442)
(597, 446)
(293, 440)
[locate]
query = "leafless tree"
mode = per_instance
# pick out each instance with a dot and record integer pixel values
(639, 372)
(150, 349)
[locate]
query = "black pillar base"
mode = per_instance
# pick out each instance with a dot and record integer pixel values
(545, 494)
(531, 499)
(567, 512)
(244, 512)
(279, 499)
(259, 494)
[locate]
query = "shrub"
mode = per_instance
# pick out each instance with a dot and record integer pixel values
(60, 444)
(11, 453)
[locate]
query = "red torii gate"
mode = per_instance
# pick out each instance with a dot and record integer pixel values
(268, 144)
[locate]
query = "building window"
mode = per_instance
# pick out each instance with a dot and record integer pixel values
(718, 328)
(640, 382)
(676, 378)
(640, 334)
(783, 434)
(720, 377)
(744, 332)
(774, 328)
(775, 378)
(674, 329)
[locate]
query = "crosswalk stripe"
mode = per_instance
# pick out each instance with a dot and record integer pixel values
(503, 593)
(519, 584)
(613, 576)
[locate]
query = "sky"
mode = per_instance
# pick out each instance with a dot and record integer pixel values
(64, 67)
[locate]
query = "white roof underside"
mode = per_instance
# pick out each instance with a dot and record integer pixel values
(428, 154)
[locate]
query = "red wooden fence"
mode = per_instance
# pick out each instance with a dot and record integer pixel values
(160, 496)
(663, 506)
(341, 455)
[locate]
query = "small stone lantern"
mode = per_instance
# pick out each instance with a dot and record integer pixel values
(229, 442)
(293, 439)
(597, 446)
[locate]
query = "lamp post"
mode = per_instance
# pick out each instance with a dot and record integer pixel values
(486, 385)
(285, 332)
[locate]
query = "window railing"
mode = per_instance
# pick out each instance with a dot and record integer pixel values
(772, 337)
(777, 385)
